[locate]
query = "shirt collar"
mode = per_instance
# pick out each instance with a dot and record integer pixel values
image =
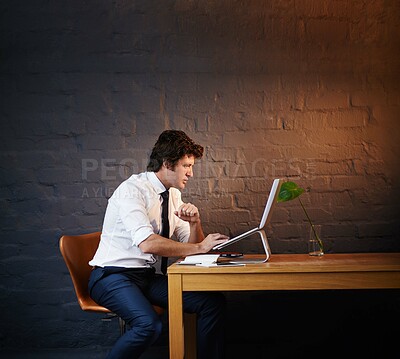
(158, 186)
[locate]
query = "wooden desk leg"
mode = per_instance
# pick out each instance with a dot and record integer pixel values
(190, 321)
(175, 313)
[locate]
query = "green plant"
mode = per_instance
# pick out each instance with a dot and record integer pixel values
(290, 190)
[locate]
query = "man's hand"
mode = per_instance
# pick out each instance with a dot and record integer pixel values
(211, 241)
(188, 212)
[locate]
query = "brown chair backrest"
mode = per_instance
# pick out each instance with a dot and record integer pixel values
(77, 251)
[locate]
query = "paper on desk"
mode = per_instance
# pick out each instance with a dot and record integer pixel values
(206, 260)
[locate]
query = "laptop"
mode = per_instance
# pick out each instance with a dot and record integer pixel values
(266, 216)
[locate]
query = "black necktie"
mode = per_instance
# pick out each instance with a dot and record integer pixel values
(165, 227)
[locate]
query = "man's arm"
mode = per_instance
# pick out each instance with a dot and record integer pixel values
(158, 245)
(197, 243)
(188, 212)
(196, 232)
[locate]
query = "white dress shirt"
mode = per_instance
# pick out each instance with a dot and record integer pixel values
(134, 213)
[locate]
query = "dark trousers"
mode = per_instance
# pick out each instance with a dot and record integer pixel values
(130, 293)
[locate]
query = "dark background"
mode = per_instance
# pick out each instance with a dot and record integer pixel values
(306, 90)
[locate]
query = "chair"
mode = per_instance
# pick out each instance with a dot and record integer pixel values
(77, 251)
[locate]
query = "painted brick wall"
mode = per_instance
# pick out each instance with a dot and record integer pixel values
(306, 90)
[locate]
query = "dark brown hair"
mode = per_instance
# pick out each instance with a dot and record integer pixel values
(170, 147)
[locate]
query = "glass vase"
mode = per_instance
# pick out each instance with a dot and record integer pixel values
(315, 247)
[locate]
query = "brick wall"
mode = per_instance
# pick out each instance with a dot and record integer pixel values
(306, 90)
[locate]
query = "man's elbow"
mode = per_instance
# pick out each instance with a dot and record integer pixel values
(147, 246)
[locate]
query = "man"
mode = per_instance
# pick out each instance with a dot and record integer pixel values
(137, 234)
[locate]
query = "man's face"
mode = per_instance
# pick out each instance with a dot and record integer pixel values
(179, 176)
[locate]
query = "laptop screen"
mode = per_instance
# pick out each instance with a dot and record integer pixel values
(272, 199)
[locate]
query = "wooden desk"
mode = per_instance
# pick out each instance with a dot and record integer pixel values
(281, 272)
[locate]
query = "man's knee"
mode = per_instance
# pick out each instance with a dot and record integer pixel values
(147, 327)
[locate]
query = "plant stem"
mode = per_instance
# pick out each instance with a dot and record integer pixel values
(312, 226)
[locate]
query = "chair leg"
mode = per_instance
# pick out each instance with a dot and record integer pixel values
(108, 317)
(122, 326)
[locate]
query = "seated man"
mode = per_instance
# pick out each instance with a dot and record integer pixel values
(147, 221)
